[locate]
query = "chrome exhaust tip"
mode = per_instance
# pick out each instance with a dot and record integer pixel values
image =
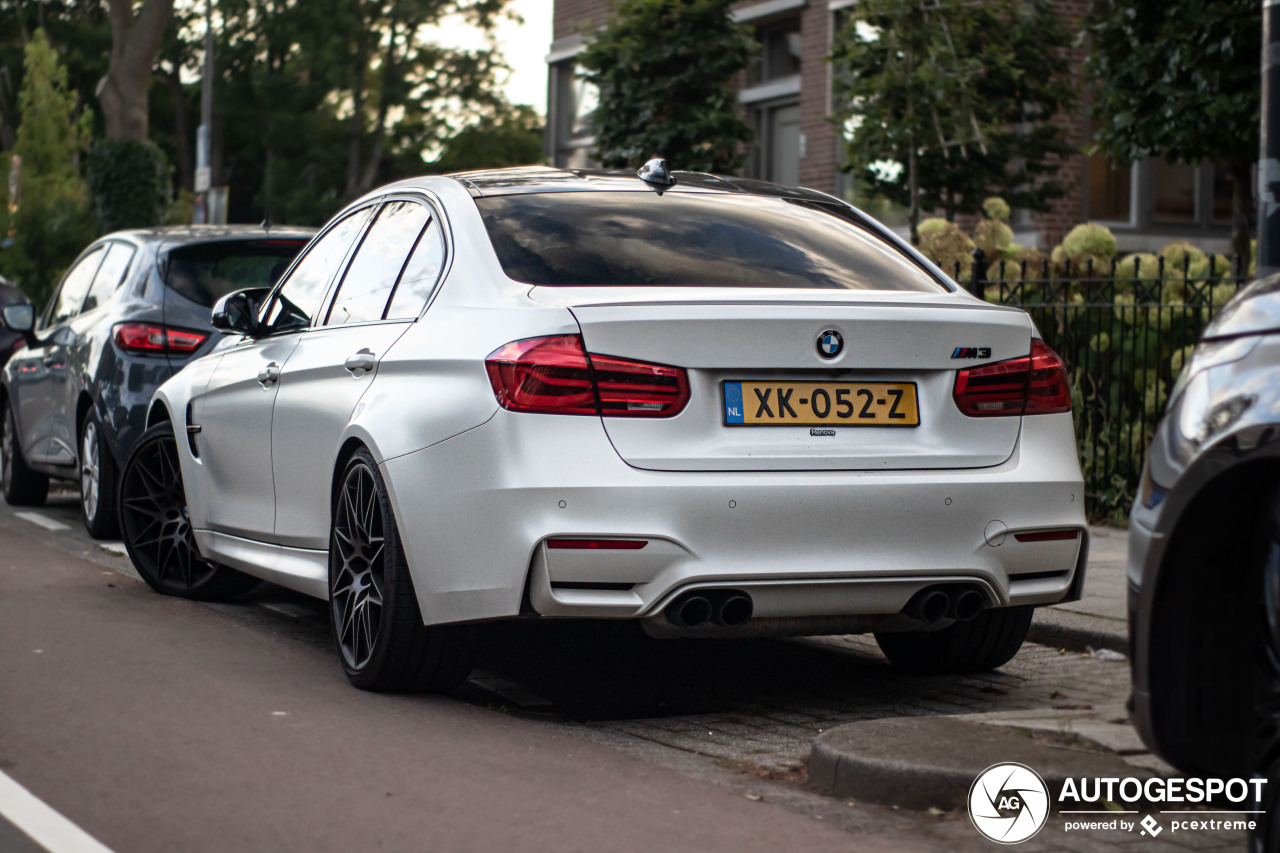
(967, 605)
(689, 611)
(928, 605)
(734, 611)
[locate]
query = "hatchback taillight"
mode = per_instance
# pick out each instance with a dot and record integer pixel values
(556, 375)
(155, 339)
(1031, 385)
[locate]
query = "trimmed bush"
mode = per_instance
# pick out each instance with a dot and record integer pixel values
(1177, 255)
(996, 208)
(1143, 265)
(129, 182)
(1088, 239)
(944, 243)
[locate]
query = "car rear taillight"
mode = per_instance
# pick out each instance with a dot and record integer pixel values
(1031, 385)
(156, 339)
(556, 375)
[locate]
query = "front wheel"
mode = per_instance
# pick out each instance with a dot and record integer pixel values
(373, 611)
(97, 480)
(987, 642)
(157, 531)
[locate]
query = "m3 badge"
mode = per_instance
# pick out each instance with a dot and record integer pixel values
(971, 352)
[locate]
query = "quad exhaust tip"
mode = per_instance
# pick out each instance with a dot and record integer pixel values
(725, 608)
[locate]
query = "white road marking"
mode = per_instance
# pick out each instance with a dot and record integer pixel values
(45, 826)
(41, 520)
(114, 548)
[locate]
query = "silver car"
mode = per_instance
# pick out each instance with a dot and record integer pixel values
(719, 407)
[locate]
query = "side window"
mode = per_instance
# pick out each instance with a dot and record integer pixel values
(75, 286)
(372, 274)
(109, 276)
(420, 275)
(298, 299)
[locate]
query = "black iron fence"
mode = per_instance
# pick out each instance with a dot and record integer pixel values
(1124, 330)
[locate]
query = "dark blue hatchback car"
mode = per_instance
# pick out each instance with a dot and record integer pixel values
(129, 313)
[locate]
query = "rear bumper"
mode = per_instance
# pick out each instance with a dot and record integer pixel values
(476, 510)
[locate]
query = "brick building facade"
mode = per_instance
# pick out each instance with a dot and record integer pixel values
(788, 99)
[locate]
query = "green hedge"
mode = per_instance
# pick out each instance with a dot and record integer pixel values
(129, 183)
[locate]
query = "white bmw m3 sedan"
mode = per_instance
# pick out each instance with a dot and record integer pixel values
(718, 407)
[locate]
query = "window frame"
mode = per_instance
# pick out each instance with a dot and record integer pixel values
(47, 320)
(124, 274)
(437, 218)
(323, 307)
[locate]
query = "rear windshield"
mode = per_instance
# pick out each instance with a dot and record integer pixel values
(206, 272)
(690, 240)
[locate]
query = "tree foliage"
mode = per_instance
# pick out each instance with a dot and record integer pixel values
(321, 101)
(511, 138)
(1179, 79)
(663, 69)
(950, 102)
(50, 222)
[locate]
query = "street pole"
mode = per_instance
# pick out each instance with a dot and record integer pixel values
(204, 133)
(1269, 154)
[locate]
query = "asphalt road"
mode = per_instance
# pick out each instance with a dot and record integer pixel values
(160, 725)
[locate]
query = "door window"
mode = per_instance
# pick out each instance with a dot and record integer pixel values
(296, 301)
(109, 276)
(420, 275)
(371, 275)
(75, 286)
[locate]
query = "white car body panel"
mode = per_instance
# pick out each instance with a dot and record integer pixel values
(477, 489)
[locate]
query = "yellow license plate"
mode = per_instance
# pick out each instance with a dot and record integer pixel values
(821, 403)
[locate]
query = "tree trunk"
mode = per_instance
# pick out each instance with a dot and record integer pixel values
(357, 122)
(135, 43)
(1241, 206)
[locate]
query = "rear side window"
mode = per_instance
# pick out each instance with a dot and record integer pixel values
(691, 240)
(420, 275)
(75, 286)
(300, 296)
(372, 273)
(109, 276)
(206, 272)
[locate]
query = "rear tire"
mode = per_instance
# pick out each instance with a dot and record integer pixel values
(97, 480)
(156, 530)
(987, 642)
(373, 610)
(22, 486)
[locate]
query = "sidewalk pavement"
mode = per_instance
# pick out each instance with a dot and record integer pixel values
(1099, 620)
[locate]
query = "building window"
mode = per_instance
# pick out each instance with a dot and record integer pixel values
(574, 100)
(1223, 188)
(1173, 193)
(779, 55)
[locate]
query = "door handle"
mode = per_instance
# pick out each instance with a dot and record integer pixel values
(269, 374)
(361, 363)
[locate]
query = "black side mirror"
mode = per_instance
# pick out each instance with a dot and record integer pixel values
(238, 312)
(20, 318)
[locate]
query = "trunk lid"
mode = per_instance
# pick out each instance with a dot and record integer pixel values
(766, 340)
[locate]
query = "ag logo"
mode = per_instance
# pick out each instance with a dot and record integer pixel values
(1008, 803)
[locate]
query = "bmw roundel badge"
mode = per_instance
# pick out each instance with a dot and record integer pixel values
(830, 343)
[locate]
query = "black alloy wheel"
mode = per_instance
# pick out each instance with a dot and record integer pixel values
(377, 627)
(21, 485)
(157, 530)
(356, 591)
(1266, 685)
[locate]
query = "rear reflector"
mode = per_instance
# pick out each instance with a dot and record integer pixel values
(556, 375)
(157, 339)
(598, 544)
(1032, 385)
(1048, 535)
